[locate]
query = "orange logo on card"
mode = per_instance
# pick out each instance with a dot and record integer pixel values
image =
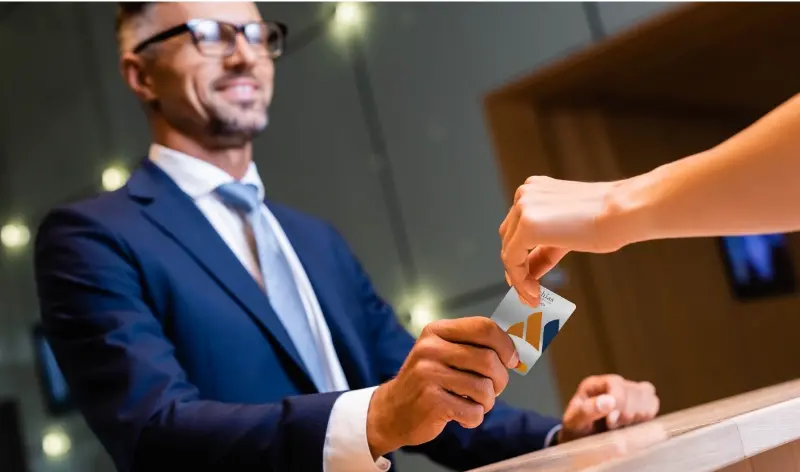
(531, 331)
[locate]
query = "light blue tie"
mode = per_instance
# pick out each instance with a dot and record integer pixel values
(278, 279)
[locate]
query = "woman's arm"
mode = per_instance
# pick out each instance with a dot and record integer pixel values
(748, 184)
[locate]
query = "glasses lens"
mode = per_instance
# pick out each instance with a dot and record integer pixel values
(213, 38)
(219, 39)
(267, 37)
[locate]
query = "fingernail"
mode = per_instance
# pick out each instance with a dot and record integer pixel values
(606, 403)
(514, 362)
(528, 301)
(612, 419)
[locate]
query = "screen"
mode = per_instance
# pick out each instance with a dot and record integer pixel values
(54, 386)
(759, 266)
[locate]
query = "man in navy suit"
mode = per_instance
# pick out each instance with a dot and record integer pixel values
(201, 327)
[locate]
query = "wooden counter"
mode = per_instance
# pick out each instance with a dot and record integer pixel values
(755, 432)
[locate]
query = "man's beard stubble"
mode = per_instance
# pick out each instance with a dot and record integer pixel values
(226, 122)
(221, 129)
(230, 131)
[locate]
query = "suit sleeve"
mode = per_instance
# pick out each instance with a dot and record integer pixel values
(506, 431)
(127, 382)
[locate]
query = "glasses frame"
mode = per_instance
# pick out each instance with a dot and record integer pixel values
(189, 26)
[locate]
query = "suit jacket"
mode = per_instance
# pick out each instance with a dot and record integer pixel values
(178, 362)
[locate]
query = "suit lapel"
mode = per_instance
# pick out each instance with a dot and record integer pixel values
(175, 214)
(349, 347)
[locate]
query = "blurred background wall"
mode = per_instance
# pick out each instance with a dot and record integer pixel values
(385, 137)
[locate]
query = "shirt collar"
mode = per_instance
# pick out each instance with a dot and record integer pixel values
(198, 178)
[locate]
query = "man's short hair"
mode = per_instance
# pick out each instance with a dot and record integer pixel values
(129, 17)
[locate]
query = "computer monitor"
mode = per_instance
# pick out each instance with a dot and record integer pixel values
(758, 266)
(54, 387)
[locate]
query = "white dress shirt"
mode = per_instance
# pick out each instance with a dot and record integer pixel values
(346, 448)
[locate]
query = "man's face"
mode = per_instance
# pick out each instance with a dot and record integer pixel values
(220, 100)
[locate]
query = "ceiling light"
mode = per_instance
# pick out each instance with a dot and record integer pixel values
(422, 313)
(15, 235)
(348, 14)
(56, 444)
(115, 177)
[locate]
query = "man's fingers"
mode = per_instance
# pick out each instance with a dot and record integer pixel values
(647, 387)
(477, 331)
(479, 361)
(611, 399)
(642, 404)
(612, 420)
(542, 259)
(600, 406)
(474, 387)
(607, 385)
(635, 402)
(462, 410)
(583, 412)
(595, 385)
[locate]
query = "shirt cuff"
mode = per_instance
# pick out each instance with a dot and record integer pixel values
(346, 448)
(550, 439)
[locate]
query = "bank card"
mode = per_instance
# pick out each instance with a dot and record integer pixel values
(532, 329)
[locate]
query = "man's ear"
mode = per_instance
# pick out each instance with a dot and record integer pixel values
(137, 77)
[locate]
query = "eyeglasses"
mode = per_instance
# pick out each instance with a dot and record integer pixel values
(218, 38)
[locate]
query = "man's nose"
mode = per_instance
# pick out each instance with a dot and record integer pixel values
(244, 54)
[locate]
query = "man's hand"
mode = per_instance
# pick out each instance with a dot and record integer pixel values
(454, 372)
(610, 399)
(551, 217)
